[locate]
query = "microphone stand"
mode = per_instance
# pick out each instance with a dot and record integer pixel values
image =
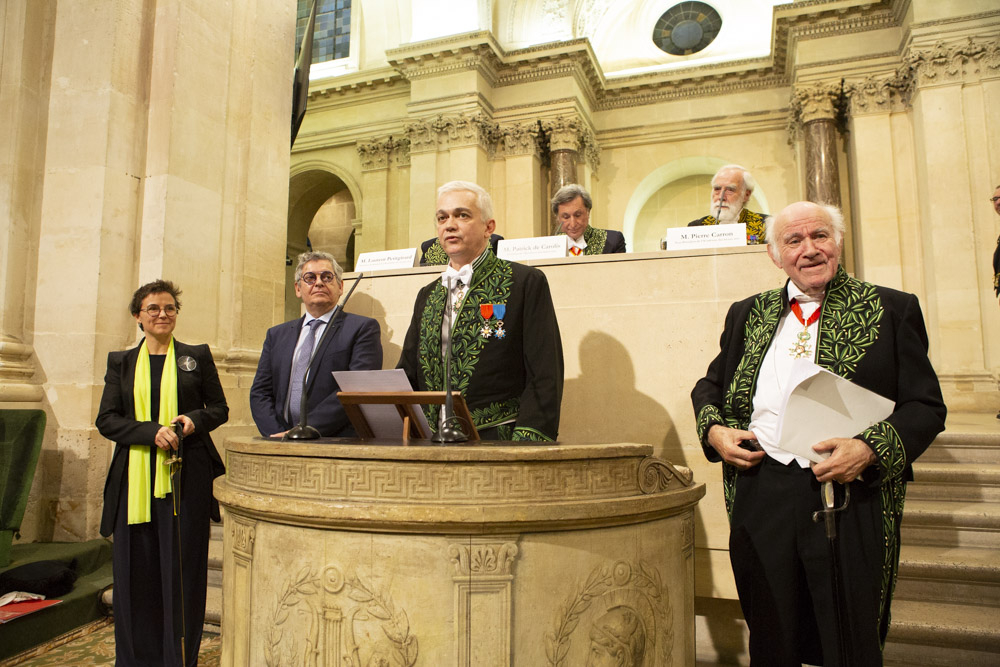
(828, 515)
(303, 431)
(451, 427)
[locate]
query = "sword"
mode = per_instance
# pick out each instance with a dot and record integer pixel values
(828, 515)
(174, 463)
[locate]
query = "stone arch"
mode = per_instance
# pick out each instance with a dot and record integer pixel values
(312, 184)
(643, 235)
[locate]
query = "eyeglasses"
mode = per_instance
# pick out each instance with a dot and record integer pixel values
(326, 276)
(153, 310)
(994, 199)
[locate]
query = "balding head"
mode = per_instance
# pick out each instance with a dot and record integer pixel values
(805, 240)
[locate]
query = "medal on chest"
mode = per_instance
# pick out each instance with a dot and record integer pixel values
(492, 314)
(802, 347)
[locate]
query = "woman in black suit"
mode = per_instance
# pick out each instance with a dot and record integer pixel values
(148, 391)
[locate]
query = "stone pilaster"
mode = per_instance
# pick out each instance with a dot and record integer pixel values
(482, 580)
(23, 102)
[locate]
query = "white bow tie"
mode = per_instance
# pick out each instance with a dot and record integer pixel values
(464, 275)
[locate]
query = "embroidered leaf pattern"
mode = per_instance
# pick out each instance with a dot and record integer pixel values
(595, 239)
(435, 254)
(491, 283)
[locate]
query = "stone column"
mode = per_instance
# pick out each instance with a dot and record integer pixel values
(28, 27)
(571, 142)
(816, 109)
(564, 153)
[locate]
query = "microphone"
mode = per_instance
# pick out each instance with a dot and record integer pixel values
(450, 428)
(302, 431)
(718, 211)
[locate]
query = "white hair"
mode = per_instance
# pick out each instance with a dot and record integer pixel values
(483, 200)
(833, 214)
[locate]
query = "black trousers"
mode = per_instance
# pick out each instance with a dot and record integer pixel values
(782, 564)
(147, 593)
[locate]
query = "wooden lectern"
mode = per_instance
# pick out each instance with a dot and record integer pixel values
(406, 406)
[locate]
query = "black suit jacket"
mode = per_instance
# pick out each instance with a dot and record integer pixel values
(199, 396)
(615, 242)
(353, 344)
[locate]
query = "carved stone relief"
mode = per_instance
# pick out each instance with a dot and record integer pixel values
(478, 559)
(657, 475)
(243, 534)
(520, 139)
(325, 619)
(621, 612)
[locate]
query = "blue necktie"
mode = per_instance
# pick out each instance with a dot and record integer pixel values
(299, 369)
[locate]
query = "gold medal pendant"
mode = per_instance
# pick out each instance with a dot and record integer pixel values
(801, 348)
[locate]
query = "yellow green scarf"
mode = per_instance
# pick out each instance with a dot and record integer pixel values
(139, 500)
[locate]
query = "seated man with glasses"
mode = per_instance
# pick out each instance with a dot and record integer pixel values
(353, 344)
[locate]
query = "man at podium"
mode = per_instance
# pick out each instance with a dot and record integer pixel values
(505, 346)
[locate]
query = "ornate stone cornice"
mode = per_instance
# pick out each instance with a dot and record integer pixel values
(376, 153)
(478, 51)
(442, 132)
(945, 63)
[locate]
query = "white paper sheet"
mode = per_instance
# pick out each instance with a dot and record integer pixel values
(819, 405)
(383, 419)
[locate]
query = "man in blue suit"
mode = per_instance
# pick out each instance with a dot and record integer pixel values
(353, 344)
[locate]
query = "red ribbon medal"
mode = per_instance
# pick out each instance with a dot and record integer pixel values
(486, 310)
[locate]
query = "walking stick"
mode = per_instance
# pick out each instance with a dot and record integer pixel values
(828, 515)
(174, 462)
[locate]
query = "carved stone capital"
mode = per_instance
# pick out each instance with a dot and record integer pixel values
(374, 154)
(572, 134)
(879, 94)
(520, 139)
(443, 132)
(819, 102)
(952, 63)
(483, 559)
(377, 153)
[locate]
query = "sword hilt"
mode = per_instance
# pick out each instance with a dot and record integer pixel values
(829, 512)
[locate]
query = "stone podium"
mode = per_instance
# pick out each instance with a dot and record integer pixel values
(338, 552)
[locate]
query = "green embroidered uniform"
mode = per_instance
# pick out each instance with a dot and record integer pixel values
(753, 221)
(873, 336)
(602, 241)
(510, 368)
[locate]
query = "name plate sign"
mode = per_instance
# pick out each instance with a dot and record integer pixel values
(539, 247)
(387, 259)
(707, 236)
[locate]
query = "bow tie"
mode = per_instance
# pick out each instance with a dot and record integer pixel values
(464, 275)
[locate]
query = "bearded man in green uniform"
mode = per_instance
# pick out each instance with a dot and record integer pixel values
(873, 336)
(506, 351)
(732, 186)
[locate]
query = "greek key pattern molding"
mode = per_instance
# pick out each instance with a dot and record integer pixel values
(451, 482)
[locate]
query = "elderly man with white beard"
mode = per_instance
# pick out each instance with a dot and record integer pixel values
(732, 186)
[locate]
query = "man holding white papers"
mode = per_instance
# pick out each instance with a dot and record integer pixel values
(870, 335)
(506, 351)
(732, 186)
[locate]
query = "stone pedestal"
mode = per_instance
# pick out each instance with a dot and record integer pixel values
(338, 552)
